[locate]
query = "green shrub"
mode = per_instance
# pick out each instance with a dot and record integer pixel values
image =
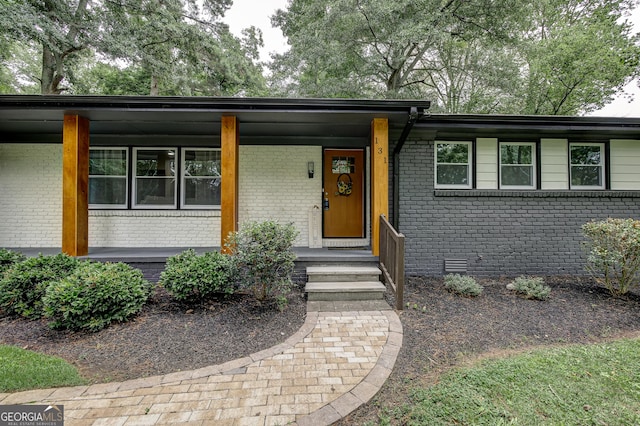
(191, 278)
(530, 287)
(463, 285)
(25, 283)
(264, 259)
(95, 295)
(613, 253)
(9, 258)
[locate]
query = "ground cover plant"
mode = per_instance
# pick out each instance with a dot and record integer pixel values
(584, 384)
(8, 258)
(530, 287)
(463, 285)
(22, 369)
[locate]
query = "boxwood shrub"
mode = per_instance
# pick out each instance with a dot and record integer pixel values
(25, 283)
(191, 278)
(96, 295)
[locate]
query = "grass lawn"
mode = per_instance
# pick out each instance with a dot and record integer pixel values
(574, 385)
(22, 370)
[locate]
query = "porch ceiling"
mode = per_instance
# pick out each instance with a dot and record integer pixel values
(158, 119)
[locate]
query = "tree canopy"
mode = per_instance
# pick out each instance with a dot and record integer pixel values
(482, 56)
(171, 46)
(466, 56)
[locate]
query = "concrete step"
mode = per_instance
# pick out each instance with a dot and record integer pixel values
(343, 273)
(334, 291)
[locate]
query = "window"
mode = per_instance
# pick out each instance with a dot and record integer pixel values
(201, 173)
(154, 183)
(587, 165)
(453, 165)
(108, 171)
(517, 165)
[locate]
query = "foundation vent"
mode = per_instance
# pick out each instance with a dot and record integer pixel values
(455, 266)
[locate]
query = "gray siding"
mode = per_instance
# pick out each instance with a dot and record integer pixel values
(498, 232)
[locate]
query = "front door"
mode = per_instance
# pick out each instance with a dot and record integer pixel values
(343, 196)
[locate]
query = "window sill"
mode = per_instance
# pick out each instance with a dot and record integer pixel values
(154, 213)
(535, 193)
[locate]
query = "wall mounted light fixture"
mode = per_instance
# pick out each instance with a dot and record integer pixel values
(311, 169)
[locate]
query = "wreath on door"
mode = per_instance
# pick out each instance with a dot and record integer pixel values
(344, 185)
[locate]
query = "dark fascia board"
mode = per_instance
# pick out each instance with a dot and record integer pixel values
(213, 104)
(532, 122)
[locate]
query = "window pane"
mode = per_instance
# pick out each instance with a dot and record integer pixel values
(453, 153)
(340, 165)
(585, 154)
(155, 191)
(159, 162)
(453, 175)
(516, 154)
(201, 192)
(516, 175)
(202, 163)
(110, 162)
(586, 176)
(108, 191)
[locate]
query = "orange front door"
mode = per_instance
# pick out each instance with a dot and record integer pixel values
(343, 196)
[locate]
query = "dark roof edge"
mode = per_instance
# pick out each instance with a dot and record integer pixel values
(519, 121)
(82, 102)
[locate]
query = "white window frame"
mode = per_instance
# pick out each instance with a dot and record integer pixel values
(183, 180)
(601, 165)
(469, 165)
(134, 179)
(125, 205)
(533, 165)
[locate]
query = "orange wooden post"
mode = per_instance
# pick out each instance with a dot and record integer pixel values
(75, 185)
(379, 178)
(230, 141)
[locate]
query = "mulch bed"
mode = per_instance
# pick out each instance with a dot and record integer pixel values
(165, 337)
(441, 331)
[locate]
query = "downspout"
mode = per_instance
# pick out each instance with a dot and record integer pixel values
(414, 115)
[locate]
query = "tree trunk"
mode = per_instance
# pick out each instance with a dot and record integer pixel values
(154, 86)
(50, 79)
(53, 63)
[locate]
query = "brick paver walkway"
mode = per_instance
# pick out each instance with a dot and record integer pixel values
(333, 364)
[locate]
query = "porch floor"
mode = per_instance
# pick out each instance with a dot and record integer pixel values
(160, 254)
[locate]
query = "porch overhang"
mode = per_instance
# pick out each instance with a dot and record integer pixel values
(160, 121)
(156, 120)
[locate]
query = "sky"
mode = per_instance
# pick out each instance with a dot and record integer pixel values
(245, 13)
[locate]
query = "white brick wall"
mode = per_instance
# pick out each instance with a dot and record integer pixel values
(30, 195)
(274, 185)
(141, 228)
(31, 209)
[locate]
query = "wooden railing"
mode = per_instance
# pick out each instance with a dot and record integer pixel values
(392, 259)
